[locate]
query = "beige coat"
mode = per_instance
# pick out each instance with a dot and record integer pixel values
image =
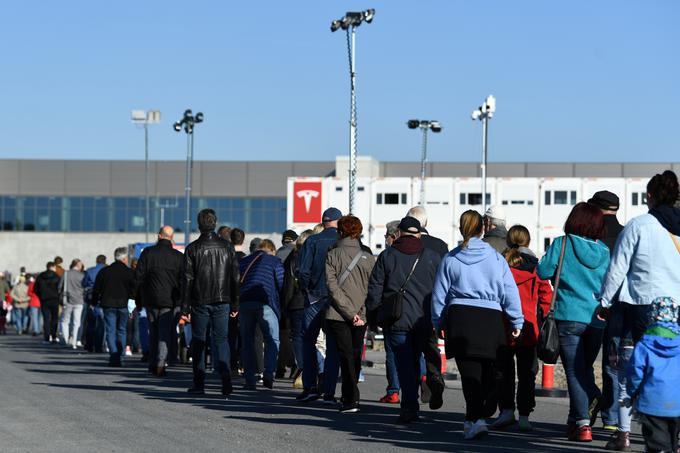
(350, 299)
(20, 295)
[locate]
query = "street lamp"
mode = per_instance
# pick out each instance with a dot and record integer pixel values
(145, 118)
(424, 125)
(188, 121)
(484, 113)
(349, 23)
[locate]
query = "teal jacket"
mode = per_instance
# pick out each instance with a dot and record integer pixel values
(585, 263)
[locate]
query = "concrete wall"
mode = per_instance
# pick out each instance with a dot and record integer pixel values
(34, 249)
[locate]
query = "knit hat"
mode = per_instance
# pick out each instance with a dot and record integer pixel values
(664, 309)
(605, 199)
(289, 236)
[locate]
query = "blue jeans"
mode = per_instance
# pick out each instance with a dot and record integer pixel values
(116, 330)
(407, 349)
(390, 366)
(96, 327)
(35, 320)
(579, 346)
(610, 342)
(314, 318)
(144, 331)
(20, 319)
(296, 321)
(252, 314)
(217, 315)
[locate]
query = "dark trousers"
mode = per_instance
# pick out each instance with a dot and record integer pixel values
(259, 350)
(94, 334)
(285, 352)
(660, 433)
(217, 316)
(636, 319)
(50, 312)
(350, 345)
(234, 343)
(527, 367)
(160, 335)
(477, 377)
(173, 343)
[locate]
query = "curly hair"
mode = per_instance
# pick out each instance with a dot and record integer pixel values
(663, 188)
(350, 226)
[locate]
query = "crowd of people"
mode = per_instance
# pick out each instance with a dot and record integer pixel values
(612, 290)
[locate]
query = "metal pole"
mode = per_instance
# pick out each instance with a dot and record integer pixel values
(352, 126)
(162, 217)
(485, 135)
(146, 180)
(423, 162)
(187, 186)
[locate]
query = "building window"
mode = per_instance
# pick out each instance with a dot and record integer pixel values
(391, 198)
(379, 198)
(463, 198)
(560, 197)
(548, 197)
(573, 197)
(635, 198)
(404, 200)
(546, 243)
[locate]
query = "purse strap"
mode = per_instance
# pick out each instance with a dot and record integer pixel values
(349, 269)
(675, 241)
(410, 274)
(243, 277)
(558, 273)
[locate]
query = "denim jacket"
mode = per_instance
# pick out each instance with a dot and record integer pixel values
(312, 269)
(646, 261)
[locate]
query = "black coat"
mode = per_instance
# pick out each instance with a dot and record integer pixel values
(612, 229)
(435, 244)
(47, 287)
(292, 297)
(114, 286)
(159, 275)
(389, 274)
(211, 274)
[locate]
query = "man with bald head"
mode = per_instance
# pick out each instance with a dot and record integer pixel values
(158, 276)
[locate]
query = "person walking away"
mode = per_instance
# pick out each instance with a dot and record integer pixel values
(237, 238)
(21, 300)
(58, 261)
(34, 307)
(585, 261)
(393, 387)
(293, 303)
(475, 286)
(210, 292)
(312, 281)
(47, 290)
(536, 297)
(430, 242)
(72, 296)
(495, 231)
(653, 377)
(407, 269)
(287, 244)
(158, 278)
(113, 288)
(348, 269)
(224, 232)
(261, 286)
(94, 329)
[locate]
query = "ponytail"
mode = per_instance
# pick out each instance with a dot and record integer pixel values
(518, 236)
(471, 224)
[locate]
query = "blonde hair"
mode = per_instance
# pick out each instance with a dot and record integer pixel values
(518, 236)
(471, 224)
(302, 238)
(318, 228)
(267, 246)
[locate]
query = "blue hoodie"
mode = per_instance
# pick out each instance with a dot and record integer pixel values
(585, 263)
(477, 276)
(653, 373)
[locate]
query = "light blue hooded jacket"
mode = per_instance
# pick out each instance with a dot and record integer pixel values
(477, 276)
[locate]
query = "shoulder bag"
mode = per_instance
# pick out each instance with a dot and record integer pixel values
(392, 307)
(548, 347)
(351, 267)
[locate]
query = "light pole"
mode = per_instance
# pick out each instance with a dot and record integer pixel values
(349, 23)
(484, 113)
(145, 118)
(188, 121)
(424, 125)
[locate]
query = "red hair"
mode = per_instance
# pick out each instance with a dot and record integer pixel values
(585, 220)
(350, 226)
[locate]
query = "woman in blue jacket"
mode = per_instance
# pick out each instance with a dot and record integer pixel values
(475, 286)
(585, 262)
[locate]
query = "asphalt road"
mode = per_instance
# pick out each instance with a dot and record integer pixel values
(57, 400)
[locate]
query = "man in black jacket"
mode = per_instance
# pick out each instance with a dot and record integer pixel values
(158, 276)
(113, 288)
(47, 289)
(430, 242)
(210, 293)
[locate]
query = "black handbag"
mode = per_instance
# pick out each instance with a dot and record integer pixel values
(392, 306)
(548, 347)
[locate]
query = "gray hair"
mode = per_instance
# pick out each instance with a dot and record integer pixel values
(392, 227)
(419, 213)
(120, 253)
(498, 223)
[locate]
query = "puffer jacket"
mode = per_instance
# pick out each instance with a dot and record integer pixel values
(211, 274)
(348, 299)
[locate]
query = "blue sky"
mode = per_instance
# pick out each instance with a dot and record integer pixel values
(575, 81)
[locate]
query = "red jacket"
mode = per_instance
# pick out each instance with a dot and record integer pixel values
(533, 292)
(34, 302)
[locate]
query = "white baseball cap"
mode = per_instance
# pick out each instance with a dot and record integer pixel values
(495, 212)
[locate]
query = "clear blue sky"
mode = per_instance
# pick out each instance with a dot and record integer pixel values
(575, 81)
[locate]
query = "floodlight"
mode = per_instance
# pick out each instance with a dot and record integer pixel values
(199, 117)
(435, 126)
(177, 126)
(413, 124)
(368, 15)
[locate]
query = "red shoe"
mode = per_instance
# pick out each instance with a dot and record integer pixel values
(584, 434)
(390, 398)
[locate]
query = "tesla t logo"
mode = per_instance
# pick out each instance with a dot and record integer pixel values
(307, 202)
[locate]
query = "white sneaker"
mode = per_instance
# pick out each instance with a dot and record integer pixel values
(505, 419)
(79, 344)
(74, 346)
(477, 430)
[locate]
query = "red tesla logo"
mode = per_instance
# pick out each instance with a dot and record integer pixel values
(306, 202)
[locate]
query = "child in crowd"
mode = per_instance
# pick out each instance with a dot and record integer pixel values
(653, 376)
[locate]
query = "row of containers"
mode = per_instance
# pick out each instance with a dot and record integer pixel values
(540, 204)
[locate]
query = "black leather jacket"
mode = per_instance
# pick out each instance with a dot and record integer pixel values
(211, 274)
